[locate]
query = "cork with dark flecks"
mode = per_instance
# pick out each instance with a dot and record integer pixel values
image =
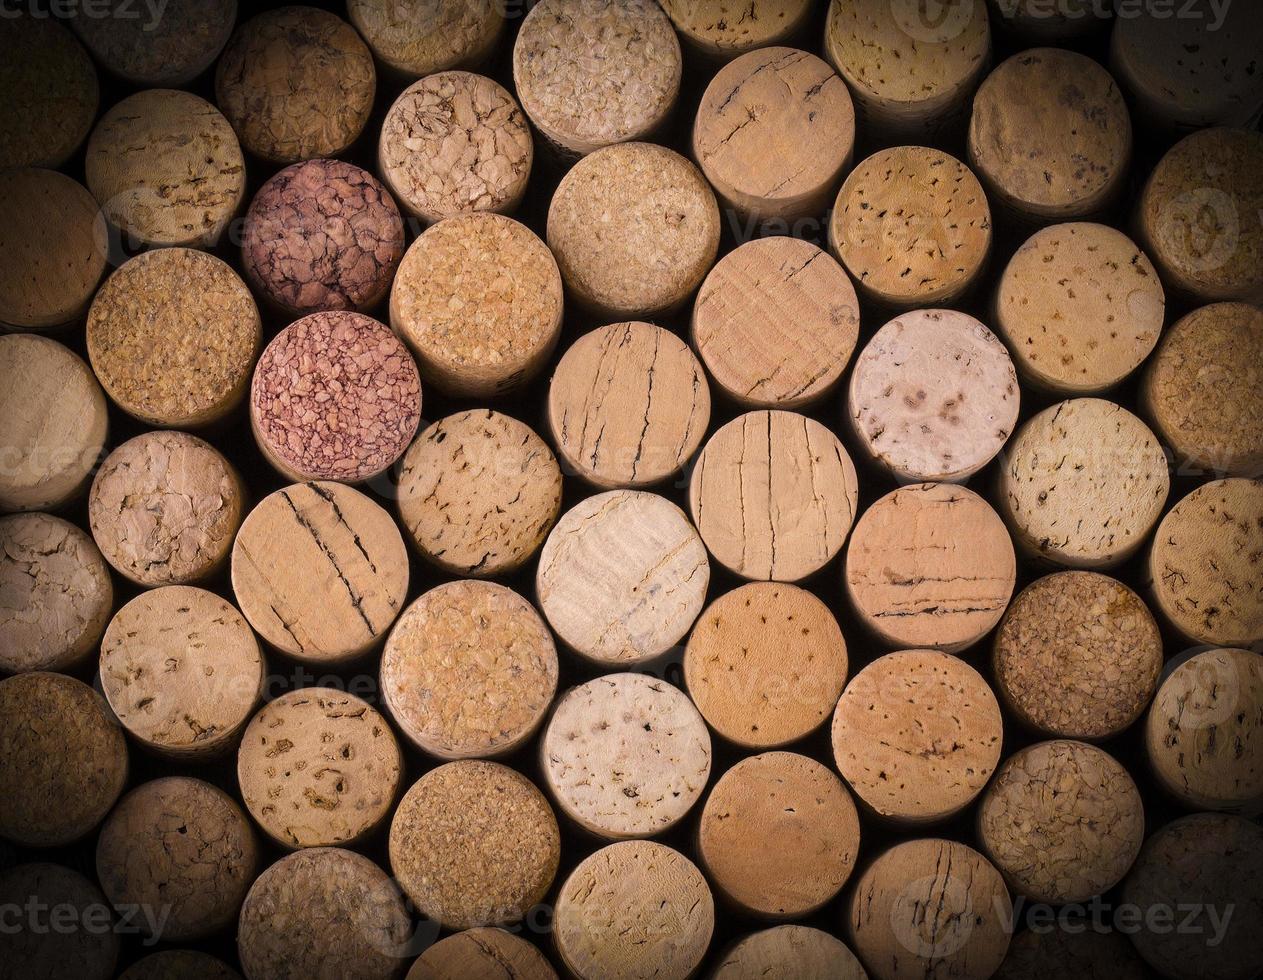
(727, 28)
(482, 952)
(799, 951)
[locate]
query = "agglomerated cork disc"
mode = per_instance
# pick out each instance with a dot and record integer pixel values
(1056, 954)
(797, 951)
(157, 50)
(727, 28)
(88, 949)
(420, 37)
(481, 952)
(179, 964)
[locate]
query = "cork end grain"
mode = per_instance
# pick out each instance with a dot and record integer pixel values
(48, 953)
(169, 49)
(727, 28)
(1059, 955)
(482, 952)
(797, 951)
(420, 37)
(179, 964)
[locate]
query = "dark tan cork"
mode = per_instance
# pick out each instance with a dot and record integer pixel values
(1056, 954)
(164, 51)
(482, 952)
(798, 951)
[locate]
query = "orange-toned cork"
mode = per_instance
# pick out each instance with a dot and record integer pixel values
(419, 37)
(179, 964)
(50, 953)
(169, 48)
(482, 952)
(723, 29)
(797, 951)
(1056, 954)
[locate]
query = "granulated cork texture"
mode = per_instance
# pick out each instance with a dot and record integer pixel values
(166, 51)
(420, 37)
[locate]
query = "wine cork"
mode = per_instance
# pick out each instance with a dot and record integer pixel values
(164, 509)
(779, 835)
(320, 571)
(182, 672)
(52, 423)
(625, 755)
(635, 228)
(164, 48)
(916, 735)
(1059, 954)
(481, 952)
(773, 495)
(773, 133)
(88, 950)
(1078, 655)
(1039, 22)
(182, 845)
(775, 322)
(66, 761)
(474, 843)
(419, 37)
(797, 951)
(179, 964)
(933, 397)
(1082, 484)
(622, 577)
(599, 377)
(723, 29)
(478, 298)
(296, 83)
(469, 671)
(335, 396)
(634, 909)
(55, 594)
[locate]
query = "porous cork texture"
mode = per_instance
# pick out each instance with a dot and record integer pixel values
(157, 50)
(48, 954)
(628, 405)
(173, 336)
(622, 577)
(798, 951)
(773, 495)
(916, 735)
(634, 910)
(335, 396)
(625, 755)
(1059, 955)
(182, 672)
(775, 322)
(482, 952)
(420, 37)
(635, 228)
(164, 509)
(180, 845)
(179, 964)
(469, 670)
(727, 28)
(65, 761)
(1078, 655)
(478, 493)
(474, 843)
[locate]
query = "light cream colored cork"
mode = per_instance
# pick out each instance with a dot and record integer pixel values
(625, 755)
(45, 953)
(797, 951)
(622, 577)
(482, 952)
(635, 228)
(597, 394)
(179, 964)
(1057, 954)
(159, 47)
(320, 571)
(723, 29)
(420, 37)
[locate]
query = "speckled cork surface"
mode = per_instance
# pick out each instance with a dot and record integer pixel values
(482, 952)
(806, 953)
(420, 37)
(48, 955)
(168, 50)
(727, 28)
(1058, 955)
(179, 964)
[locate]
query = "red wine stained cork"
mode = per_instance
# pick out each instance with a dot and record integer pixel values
(1082, 484)
(600, 377)
(773, 495)
(916, 735)
(1056, 954)
(320, 571)
(482, 952)
(775, 322)
(634, 909)
(795, 951)
(625, 755)
(1038, 22)
(474, 843)
(335, 396)
(723, 29)
(773, 133)
(478, 298)
(88, 950)
(55, 594)
(779, 835)
(934, 396)
(163, 47)
(179, 964)
(418, 37)
(1078, 655)
(635, 228)
(65, 759)
(182, 672)
(469, 671)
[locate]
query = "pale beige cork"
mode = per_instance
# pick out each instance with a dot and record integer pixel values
(723, 29)
(320, 571)
(1082, 484)
(634, 910)
(421, 37)
(161, 47)
(773, 495)
(51, 954)
(1057, 954)
(179, 964)
(181, 845)
(775, 322)
(625, 755)
(916, 735)
(65, 759)
(622, 577)
(482, 952)
(53, 423)
(474, 843)
(182, 672)
(773, 134)
(635, 228)
(796, 951)
(55, 594)
(628, 405)
(779, 835)
(1078, 655)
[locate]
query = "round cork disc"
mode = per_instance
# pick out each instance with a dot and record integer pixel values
(474, 843)
(320, 571)
(774, 132)
(773, 495)
(179, 964)
(1057, 954)
(917, 734)
(65, 761)
(625, 755)
(726, 28)
(1078, 655)
(157, 50)
(797, 951)
(775, 323)
(88, 950)
(635, 228)
(634, 909)
(482, 952)
(420, 37)
(600, 377)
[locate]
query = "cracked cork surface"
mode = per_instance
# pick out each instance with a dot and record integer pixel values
(625, 755)
(421, 37)
(726, 28)
(49, 953)
(796, 951)
(179, 964)
(1059, 955)
(482, 952)
(168, 48)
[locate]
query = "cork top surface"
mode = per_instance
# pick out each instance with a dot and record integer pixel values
(168, 49)
(420, 37)
(481, 952)
(730, 27)
(179, 964)
(1060, 955)
(805, 953)
(89, 954)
